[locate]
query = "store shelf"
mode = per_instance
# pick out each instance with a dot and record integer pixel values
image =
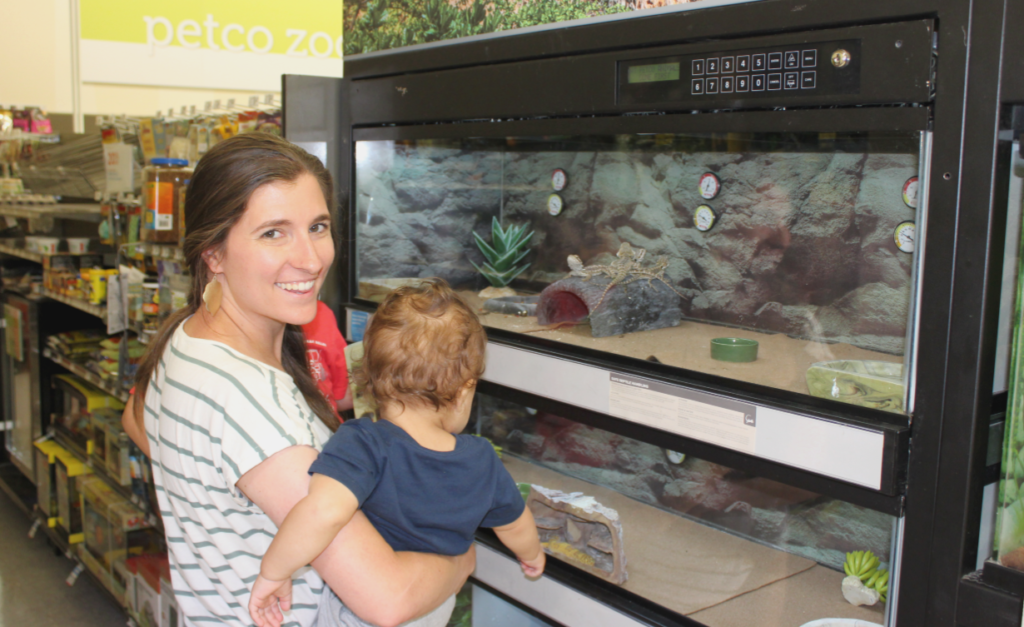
(64, 440)
(86, 374)
(87, 212)
(38, 257)
(78, 303)
(21, 252)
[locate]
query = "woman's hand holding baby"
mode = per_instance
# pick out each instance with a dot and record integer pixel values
(269, 600)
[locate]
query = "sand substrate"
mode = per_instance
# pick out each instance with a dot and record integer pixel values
(782, 361)
(717, 578)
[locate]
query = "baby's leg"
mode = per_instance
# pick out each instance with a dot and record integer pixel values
(333, 613)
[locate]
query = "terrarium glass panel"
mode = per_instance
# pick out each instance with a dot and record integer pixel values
(795, 249)
(709, 542)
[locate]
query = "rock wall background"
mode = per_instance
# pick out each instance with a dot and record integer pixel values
(803, 244)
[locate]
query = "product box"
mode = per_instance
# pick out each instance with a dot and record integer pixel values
(119, 455)
(147, 593)
(170, 615)
(46, 477)
(77, 402)
(114, 529)
(153, 571)
(68, 471)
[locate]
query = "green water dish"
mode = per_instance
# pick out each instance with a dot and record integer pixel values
(734, 349)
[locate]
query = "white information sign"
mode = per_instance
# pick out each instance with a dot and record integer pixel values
(704, 417)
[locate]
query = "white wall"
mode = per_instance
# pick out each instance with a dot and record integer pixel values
(35, 45)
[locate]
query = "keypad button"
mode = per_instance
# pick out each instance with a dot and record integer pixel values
(712, 66)
(774, 60)
(697, 87)
(711, 86)
(757, 82)
(792, 80)
(728, 65)
(727, 82)
(697, 68)
(742, 83)
(808, 80)
(743, 63)
(792, 59)
(774, 82)
(810, 58)
(757, 63)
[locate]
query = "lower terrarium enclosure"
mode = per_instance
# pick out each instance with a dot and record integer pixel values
(701, 540)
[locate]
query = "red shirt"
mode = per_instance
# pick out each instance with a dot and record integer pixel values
(325, 350)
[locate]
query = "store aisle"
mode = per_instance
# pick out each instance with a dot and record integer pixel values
(32, 588)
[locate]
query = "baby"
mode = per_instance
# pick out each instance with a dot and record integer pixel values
(423, 487)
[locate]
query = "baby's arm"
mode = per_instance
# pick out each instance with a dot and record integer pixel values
(310, 526)
(522, 539)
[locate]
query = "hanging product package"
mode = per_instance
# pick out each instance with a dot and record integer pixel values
(164, 179)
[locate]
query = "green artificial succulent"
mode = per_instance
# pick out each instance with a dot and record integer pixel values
(866, 566)
(503, 253)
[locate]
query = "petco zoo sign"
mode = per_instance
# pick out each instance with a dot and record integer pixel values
(214, 44)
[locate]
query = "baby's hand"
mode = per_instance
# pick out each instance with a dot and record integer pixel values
(533, 568)
(267, 595)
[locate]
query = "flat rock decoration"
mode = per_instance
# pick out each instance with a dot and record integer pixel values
(581, 531)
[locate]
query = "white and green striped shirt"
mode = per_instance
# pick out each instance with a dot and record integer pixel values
(212, 414)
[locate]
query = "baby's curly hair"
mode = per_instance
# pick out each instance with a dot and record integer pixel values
(422, 346)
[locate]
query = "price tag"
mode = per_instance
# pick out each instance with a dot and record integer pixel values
(35, 528)
(192, 110)
(268, 99)
(216, 104)
(73, 577)
(209, 105)
(254, 101)
(231, 103)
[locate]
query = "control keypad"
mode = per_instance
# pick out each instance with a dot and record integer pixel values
(751, 72)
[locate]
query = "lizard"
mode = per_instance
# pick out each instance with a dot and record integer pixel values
(624, 270)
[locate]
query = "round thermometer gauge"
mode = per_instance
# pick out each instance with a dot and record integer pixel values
(904, 236)
(559, 179)
(710, 185)
(910, 192)
(704, 218)
(555, 204)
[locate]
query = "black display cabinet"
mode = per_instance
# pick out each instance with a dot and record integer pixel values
(828, 179)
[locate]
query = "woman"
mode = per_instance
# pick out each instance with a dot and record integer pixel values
(232, 416)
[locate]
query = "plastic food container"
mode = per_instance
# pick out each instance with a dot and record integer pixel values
(78, 245)
(734, 349)
(163, 182)
(47, 245)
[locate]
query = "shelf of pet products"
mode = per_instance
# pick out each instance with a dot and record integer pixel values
(89, 212)
(25, 253)
(61, 436)
(83, 305)
(83, 372)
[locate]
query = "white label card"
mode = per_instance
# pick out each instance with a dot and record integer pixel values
(723, 422)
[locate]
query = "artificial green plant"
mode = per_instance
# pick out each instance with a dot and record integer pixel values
(503, 253)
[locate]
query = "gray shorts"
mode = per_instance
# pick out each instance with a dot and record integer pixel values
(333, 613)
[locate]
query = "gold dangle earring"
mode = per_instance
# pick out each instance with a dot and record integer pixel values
(212, 295)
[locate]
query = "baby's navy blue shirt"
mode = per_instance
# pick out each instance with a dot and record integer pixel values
(419, 499)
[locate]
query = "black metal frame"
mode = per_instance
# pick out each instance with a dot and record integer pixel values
(961, 275)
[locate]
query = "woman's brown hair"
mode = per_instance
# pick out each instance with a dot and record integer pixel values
(423, 344)
(217, 196)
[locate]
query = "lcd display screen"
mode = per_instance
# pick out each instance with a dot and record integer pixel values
(653, 73)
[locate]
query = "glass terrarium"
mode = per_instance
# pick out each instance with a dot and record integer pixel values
(703, 540)
(780, 259)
